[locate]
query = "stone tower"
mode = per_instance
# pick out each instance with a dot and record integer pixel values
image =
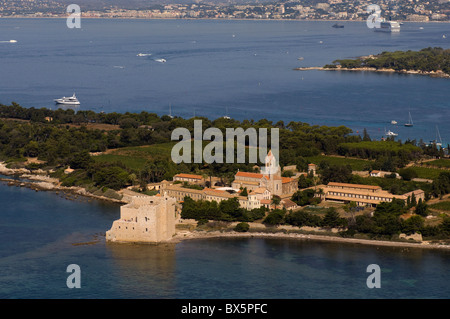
(149, 219)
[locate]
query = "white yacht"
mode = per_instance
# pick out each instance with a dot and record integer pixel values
(160, 60)
(388, 26)
(390, 133)
(393, 122)
(72, 100)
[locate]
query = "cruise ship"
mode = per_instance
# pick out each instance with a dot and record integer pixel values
(388, 26)
(72, 100)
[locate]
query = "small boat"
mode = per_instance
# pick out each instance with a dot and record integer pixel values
(337, 25)
(300, 58)
(393, 122)
(72, 100)
(160, 60)
(144, 54)
(410, 122)
(390, 133)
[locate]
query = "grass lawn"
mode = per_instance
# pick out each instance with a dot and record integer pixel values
(356, 164)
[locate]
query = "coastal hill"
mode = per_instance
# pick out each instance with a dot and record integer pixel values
(429, 61)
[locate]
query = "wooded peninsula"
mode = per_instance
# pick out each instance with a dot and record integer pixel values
(429, 61)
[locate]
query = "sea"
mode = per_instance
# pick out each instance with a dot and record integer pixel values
(213, 68)
(43, 233)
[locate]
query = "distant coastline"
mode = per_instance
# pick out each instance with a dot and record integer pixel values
(214, 19)
(437, 74)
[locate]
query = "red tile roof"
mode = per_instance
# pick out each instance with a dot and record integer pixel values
(247, 174)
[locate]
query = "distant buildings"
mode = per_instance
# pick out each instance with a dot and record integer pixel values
(189, 178)
(362, 195)
(261, 187)
(402, 10)
(270, 178)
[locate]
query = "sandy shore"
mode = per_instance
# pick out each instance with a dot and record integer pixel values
(192, 235)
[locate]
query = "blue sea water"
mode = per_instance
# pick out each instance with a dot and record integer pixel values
(243, 69)
(42, 233)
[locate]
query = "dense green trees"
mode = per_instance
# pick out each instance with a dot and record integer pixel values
(387, 223)
(335, 173)
(441, 185)
(305, 197)
(226, 210)
(407, 173)
(428, 59)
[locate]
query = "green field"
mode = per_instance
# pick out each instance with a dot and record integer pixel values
(136, 157)
(444, 163)
(427, 173)
(135, 163)
(388, 147)
(442, 206)
(356, 164)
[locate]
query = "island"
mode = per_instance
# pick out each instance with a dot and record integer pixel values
(433, 62)
(331, 183)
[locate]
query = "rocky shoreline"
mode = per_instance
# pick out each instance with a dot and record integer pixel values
(39, 181)
(437, 74)
(192, 235)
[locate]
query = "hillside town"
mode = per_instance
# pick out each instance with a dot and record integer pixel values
(404, 10)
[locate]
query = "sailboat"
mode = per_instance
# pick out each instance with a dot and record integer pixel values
(410, 122)
(170, 111)
(438, 137)
(226, 116)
